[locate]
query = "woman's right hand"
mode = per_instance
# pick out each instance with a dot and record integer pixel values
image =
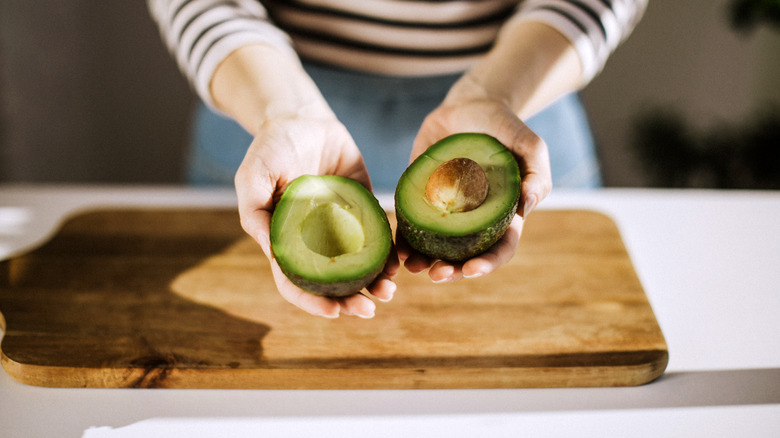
(295, 133)
(283, 150)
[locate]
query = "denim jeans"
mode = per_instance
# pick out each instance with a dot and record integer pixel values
(383, 115)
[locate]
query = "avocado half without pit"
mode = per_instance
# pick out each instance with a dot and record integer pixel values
(329, 235)
(458, 198)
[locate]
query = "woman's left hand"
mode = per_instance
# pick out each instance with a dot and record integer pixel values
(468, 108)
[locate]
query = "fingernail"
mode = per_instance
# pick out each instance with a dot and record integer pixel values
(528, 205)
(389, 296)
(474, 275)
(265, 246)
(413, 271)
(443, 280)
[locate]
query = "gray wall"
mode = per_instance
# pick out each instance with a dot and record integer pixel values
(683, 55)
(89, 94)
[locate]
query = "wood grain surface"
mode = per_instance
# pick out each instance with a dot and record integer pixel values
(183, 299)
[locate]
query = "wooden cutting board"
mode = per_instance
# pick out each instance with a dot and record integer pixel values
(184, 299)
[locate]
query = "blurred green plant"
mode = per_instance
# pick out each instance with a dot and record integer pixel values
(743, 155)
(746, 15)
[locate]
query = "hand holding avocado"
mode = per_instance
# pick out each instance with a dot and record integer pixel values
(470, 108)
(282, 151)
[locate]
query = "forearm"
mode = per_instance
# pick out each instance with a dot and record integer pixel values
(201, 34)
(530, 66)
(259, 82)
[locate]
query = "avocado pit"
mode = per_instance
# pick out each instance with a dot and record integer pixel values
(427, 205)
(457, 186)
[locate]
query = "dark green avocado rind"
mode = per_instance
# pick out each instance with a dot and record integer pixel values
(336, 289)
(453, 248)
(340, 285)
(463, 244)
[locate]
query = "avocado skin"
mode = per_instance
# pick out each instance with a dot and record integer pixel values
(338, 288)
(334, 290)
(448, 247)
(453, 248)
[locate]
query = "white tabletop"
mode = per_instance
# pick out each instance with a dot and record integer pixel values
(709, 262)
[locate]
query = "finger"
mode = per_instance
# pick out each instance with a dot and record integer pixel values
(422, 141)
(350, 162)
(383, 287)
(312, 304)
(413, 261)
(393, 264)
(353, 167)
(417, 263)
(434, 127)
(255, 204)
(536, 181)
(533, 158)
(444, 272)
(498, 255)
(258, 225)
(357, 305)
(402, 247)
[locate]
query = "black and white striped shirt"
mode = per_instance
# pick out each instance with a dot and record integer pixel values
(396, 37)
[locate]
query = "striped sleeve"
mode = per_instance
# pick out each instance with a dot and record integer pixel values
(595, 27)
(201, 33)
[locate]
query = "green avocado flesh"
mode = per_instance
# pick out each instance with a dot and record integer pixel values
(329, 235)
(462, 235)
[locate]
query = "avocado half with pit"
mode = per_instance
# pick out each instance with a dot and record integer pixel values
(458, 198)
(329, 235)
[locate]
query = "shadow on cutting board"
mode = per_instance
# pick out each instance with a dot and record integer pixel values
(93, 307)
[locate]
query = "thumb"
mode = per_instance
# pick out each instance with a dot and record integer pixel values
(258, 225)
